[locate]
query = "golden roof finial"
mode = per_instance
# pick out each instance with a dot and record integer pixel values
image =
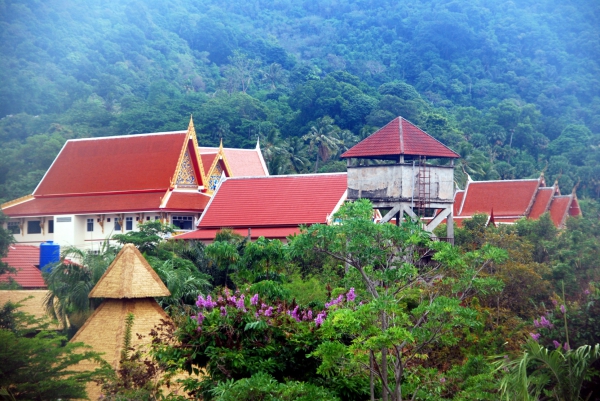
(191, 130)
(221, 144)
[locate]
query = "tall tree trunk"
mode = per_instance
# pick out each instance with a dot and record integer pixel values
(317, 163)
(384, 362)
(372, 375)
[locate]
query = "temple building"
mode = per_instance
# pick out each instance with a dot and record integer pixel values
(507, 201)
(97, 187)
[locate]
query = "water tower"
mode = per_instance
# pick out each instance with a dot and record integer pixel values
(403, 169)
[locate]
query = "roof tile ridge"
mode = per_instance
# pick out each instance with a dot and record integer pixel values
(99, 138)
(401, 134)
(432, 137)
(262, 159)
(464, 198)
(50, 168)
(532, 200)
(512, 180)
(287, 176)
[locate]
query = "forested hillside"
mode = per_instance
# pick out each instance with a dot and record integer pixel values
(514, 87)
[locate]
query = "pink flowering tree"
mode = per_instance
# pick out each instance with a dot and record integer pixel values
(415, 295)
(235, 335)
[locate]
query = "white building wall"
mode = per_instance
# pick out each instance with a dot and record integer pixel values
(72, 230)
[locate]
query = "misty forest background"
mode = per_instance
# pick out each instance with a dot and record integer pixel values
(513, 86)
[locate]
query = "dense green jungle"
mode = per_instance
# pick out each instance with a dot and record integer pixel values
(350, 311)
(514, 87)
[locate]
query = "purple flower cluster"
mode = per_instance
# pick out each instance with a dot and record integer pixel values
(350, 297)
(535, 336)
(320, 317)
(543, 323)
(563, 309)
(207, 303)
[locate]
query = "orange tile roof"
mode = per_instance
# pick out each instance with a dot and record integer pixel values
(559, 208)
(207, 161)
(508, 198)
(458, 198)
(542, 202)
(189, 201)
(124, 163)
(400, 137)
(274, 201)
(24, 258)
(243, 162)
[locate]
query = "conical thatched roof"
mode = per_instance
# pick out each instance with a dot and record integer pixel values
(104, 331)
(129, 276)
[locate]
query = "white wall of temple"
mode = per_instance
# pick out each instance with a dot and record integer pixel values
(31, 230)
(88, 231)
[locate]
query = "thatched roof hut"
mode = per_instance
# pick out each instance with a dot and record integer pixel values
(128, 286)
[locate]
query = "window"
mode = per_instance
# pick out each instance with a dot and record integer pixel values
(147, 218)
(33, 227)
(128, 223)
(90, 225)
(184, 222)
(13, 227)
(50, 226)
(155, 217)
(118, 224)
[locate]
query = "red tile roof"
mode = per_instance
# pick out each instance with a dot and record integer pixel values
(137, 202)
(267, 232)
(207, 161)
(400, 137)
(189, 201)
(559, 209)
(542, 202)
(24, 258)
(458, 198)
(125, 163)
(275, 201)
(507, 198)
(243, 162)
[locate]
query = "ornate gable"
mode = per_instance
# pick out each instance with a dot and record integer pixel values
(190, 171)
(219, 166)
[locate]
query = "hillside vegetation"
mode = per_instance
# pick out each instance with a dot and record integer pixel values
(512, 86)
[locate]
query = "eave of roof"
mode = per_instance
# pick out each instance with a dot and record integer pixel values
(255, 232)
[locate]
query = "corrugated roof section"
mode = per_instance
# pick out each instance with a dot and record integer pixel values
(274, 201)
(24, 258)
(400, 137)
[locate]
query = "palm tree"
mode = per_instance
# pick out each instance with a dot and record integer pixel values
(72, 279)
(540, 372)
(347, 140)
(295, 153)
(322, 136)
